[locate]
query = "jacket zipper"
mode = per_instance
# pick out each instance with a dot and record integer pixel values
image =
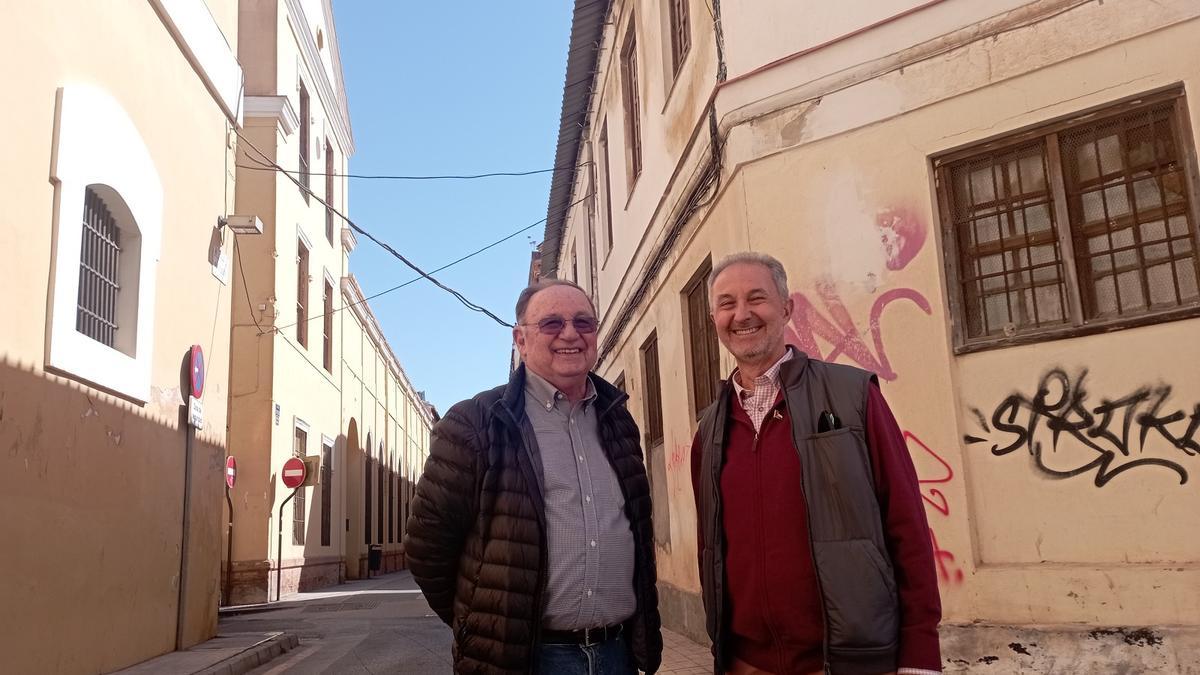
(775, 641)
(813, 557)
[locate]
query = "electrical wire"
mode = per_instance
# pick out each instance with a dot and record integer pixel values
(384, 245)
(493, 174)
(443, 267)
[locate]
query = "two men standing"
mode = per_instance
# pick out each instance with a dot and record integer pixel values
(530, 532)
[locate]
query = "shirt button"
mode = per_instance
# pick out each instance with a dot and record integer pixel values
(587, 498)
(593, 543)
(581, 458)
(589, 592)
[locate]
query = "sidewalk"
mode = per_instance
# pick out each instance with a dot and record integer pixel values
(378, 625)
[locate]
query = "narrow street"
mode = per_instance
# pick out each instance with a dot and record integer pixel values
(383, 625)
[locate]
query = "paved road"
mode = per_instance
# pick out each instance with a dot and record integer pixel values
(382, 625)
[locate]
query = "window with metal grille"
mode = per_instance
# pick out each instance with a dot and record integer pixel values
(305, 177)
(654, 417)
(379, 475)
(299, 507)
(302, 293)
(326, 494)
(629, 98)
(681, 34)
(329, 171)
(327, 337)
(96, 315)
(702, 339)
(1085, 225)
(608, 224)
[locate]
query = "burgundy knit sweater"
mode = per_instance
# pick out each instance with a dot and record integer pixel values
(775, 617)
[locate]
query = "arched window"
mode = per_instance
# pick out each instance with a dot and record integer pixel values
(108, 234)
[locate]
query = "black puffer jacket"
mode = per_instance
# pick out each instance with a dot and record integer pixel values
(476, 540)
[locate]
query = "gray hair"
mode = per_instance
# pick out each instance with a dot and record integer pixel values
(541, 285)
(752, 258)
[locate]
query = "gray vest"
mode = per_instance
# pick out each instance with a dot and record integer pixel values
(854, 570)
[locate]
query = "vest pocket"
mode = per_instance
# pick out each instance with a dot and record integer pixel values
(860, 594)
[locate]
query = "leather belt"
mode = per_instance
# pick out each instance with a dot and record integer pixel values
(584, 637)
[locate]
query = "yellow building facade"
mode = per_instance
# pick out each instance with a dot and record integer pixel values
(993, 206)
(119, 169)
(312, 375)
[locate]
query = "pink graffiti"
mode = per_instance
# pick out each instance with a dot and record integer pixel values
(840, 330)
(947, 566)
(942, 504)
(678, 457)
(902, 234)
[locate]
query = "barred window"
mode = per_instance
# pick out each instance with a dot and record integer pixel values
(99, 272)
(299, 507)
(1086, 225)
(681, 34)
(653, 389)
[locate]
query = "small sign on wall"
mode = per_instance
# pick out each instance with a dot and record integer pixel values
(276, 414)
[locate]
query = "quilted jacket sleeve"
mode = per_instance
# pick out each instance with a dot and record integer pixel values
(444, 508)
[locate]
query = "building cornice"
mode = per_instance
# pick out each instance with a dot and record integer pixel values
(204, 46)
(349, 241)
(278, 108)
(334, 106)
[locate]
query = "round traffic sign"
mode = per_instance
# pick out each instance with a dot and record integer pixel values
(197, 375)
(230, 471)
(293, 472)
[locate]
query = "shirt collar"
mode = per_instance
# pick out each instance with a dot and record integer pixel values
(547, 394)
(770, 378)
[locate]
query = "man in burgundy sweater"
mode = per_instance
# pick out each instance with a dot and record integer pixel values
(815, 553)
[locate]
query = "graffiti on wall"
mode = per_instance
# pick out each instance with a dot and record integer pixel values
(948, 569)
(1101, 436)
(901, 235)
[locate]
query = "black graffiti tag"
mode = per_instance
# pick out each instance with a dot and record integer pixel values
(1107, 429)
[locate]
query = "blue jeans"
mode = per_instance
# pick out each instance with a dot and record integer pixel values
(611, 657)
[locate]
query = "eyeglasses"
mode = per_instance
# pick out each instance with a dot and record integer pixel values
(554, 325)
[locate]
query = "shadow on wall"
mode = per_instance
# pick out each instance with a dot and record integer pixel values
(92, 565)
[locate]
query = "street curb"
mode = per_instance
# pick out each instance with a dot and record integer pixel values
(254, 656)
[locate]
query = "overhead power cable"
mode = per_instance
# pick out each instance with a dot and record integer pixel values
(443, 267)
(476, 176)
(384, 245)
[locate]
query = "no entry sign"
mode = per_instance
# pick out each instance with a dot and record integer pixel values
(230, 471)
(293, 472)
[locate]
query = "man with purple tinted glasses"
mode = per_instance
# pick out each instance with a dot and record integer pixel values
(530, 532)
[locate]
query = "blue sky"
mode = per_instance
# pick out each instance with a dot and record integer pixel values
(451, 88)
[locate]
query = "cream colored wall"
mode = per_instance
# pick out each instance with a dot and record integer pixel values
(1012, 545)
(92, 564)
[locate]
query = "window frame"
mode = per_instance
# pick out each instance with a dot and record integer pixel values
(1077, 324)
(299, 502)
(327, 325)
(631, 106)
(326, 482)
(710, 360)
(303, 257)
(679, 27)
(303, 160)
(608, 212)
(96, 143)
(329, 187)
(652, 388)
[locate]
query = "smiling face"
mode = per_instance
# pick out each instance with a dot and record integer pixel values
(750, 314)
(565, 357)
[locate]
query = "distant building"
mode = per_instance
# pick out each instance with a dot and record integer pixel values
(117, 172)
(313, 375)
(992, 205)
